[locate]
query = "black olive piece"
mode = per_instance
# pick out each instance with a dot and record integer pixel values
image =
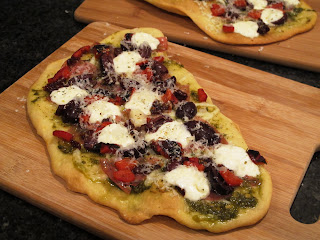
(202, 132)
(154, 124)
(262, 27)
(169, 149)
(180, 95)
(218, 184)
(186, 110)
(50, 87)
(145, 51)
(281, 20)
(70, 112)
(159, 69)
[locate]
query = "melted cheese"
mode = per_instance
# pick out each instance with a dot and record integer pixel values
(291, 2)
(137, 117)
(258, 4)
(126, 62)
(145, 38)
(65, 94)
(102, 109)
(246, 28)
(174, 131)
(270, 15)
(142, 100)
(115, 134)
(191, 180)
(236, 159)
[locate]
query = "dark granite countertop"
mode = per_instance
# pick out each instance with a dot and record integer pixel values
(30, 31)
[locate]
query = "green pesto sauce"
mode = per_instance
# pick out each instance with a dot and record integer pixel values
(170, 62)
(194, 96)
(65, 147)
(38, 94)
(213, 211)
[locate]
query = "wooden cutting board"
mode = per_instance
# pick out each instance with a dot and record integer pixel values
(302, 51)
(277, 116)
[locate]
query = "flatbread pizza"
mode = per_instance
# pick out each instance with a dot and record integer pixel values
(132, 129)
(248, 22)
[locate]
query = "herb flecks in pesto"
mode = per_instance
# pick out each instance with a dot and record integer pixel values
(223, 210)
(38, 93)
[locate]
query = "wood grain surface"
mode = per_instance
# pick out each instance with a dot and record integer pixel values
(302, 51)
(277, 116)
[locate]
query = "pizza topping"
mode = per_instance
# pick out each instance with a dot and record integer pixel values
(126, 62)
(270, 16)
(142, 100)
(186, 111)
(218, 9)
(174, 131)
(258, 4)
(64, 95)
(236, 159)
(202, 132)
(194, 182)
(63, 135)
(202, 96)
(145, 38)
(167, 148)
(115, 134)
(102, 109)
(246, 28)
(256, 157)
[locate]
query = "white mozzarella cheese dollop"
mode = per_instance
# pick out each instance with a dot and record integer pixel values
(291, 3)
(142, 100)
(191, 180)
(115, 134)
(270, 15)
(126, 62)
(65, 94)
(174, 131)
(142, 38)
(102, 109)
(236, 159)
(246, 28)
(258, 4)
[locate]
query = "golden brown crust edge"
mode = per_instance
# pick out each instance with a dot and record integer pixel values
(201, 16)
(132, 208)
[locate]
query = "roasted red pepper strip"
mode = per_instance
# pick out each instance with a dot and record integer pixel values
(240, 3)
(163, 45)
(228, 28)
(202, 96)
(278, 6)
(125, 175)
(194, 162)
(168, 96)
(78, 54)
(63, 135)
(217, 9)
(62, 73)
(255, 14)
(125, 163)
(102, 126)
(158, 59)
(105, 148)
(231, 178)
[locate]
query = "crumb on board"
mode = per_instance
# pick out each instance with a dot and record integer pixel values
(205, 38)
(186, 33)
(260, 49)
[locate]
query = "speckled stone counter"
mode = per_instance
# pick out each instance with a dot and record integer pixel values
(30, 31)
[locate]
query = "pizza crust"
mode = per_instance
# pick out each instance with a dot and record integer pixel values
(200, 14)
(135, 208)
